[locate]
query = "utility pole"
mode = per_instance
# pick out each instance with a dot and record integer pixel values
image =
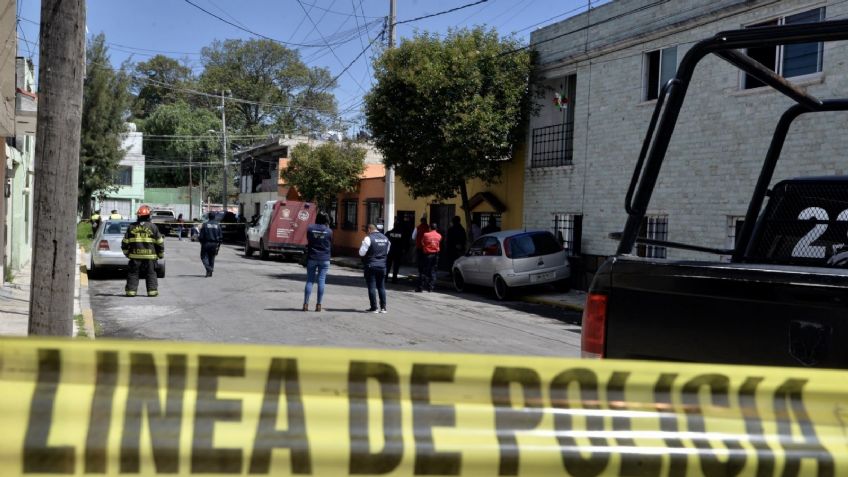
(224, 152)
(57, 147)
(389, 209)
(190, 188)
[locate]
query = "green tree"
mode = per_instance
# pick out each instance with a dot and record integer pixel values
(446, 111)
(167, 158)
(319, 174)
(105, 102)
(268, 75)
(149, 80)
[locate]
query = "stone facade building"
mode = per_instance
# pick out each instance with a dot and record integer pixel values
(607, 65)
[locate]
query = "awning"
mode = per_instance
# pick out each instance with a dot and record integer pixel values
(493, 201)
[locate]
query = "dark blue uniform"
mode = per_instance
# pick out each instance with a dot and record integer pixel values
(374, 262)
(210, 239)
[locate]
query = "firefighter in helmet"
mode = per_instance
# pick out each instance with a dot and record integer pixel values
(143, 245)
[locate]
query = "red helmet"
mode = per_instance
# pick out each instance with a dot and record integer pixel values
(143, 210)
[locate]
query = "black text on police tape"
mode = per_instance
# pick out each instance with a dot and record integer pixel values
(513, 413)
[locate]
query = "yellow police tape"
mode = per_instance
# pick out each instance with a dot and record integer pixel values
(150, 408)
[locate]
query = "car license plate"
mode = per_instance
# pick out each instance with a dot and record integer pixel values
(541, 277)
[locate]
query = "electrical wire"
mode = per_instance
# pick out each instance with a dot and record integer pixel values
(444, 12)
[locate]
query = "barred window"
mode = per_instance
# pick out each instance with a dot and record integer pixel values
(349, 207)
(373, 212)
(486, 219)
(567, 229)
(654, 227)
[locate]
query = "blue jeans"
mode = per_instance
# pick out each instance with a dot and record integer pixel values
(316, 271)
(376, 279)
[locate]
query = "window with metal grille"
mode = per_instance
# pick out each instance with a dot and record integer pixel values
(349, 207)
(373, 212)
(487, 219)
(553, 141)
(654, 227)
(789, 60)
(568, 230)
(333, 214)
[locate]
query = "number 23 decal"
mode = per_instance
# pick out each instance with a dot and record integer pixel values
(804, 248)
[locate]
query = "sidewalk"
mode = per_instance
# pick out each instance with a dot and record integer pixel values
(14, 302)
(571, 300)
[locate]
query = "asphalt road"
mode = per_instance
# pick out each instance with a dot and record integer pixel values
(253, 301)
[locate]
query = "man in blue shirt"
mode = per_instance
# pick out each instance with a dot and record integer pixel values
(319, 242)
(374, 249)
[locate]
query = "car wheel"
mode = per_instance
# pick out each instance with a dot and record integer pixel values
(263, 254)
(248, 250)
(563, 285)
(160, 271)
(92, 271)
(458, 281)
(501, 288)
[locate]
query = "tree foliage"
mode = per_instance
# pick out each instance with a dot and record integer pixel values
(149, 80)
(164, 156)
(446, 111)
(263, 71)
(319, 174)
(105, 102)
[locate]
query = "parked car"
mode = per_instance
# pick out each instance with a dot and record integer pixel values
(510, 259)
(106, 251)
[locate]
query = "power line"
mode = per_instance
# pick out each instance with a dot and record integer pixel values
(442, 12)
(299, 2)
(247, 30)
(335, 12)
(357, 58)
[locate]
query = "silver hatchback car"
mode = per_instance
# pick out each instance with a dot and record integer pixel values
(106, 249)
(513, 258)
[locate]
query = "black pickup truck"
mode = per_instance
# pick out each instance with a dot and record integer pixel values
(783, 297)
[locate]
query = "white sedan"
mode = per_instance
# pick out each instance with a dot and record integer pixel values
(106, 249)
(513, 258)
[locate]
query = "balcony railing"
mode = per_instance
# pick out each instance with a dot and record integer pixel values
(553, 145)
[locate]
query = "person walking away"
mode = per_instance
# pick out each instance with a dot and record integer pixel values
(143, 245)
(180, 224)
(114, 215)
(456, 241)
(374, 250)
(319, 242)
(399, 241)
(430, 245)
(95, 221)
(418, 237)
(210, 239)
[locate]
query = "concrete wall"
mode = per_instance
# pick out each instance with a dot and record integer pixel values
(720, 140)
(128, 198)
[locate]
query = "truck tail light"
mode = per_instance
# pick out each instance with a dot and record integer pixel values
(593, 336)
(103, 245)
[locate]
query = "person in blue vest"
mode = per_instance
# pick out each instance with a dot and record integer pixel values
(319, 243)
(210, 239)
(374, 249)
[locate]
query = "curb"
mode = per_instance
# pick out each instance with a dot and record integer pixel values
(449, 285)
(85, 307)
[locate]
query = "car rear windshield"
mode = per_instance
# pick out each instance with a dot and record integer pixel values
(532, 244)
(116, 228)
(163, 213)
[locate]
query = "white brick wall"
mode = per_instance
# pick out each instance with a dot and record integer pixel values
(721, 137)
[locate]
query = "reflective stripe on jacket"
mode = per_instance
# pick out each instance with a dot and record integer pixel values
(143, 242)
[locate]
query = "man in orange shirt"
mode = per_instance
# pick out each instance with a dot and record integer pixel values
(430, 247)
(418, 236)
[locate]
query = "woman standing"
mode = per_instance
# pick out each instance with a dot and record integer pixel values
(319, 242)
(180, 224)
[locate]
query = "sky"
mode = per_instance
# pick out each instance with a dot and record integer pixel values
(137, 30)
